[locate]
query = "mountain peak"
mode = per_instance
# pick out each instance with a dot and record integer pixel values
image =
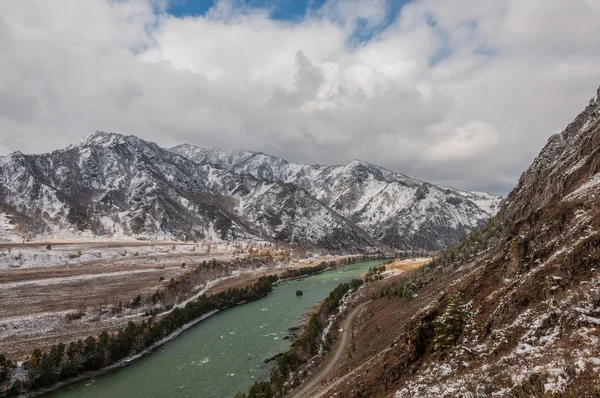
(594, 101)
(150, 190)
(185, 146)
(358, 162)
(101, 138)
(377, 200)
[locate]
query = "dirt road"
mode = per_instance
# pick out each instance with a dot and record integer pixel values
(316, 379)
(401, 316)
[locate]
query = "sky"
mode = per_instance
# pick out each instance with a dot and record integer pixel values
(463, 93)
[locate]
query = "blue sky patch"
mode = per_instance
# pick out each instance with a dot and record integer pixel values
(289, 10)
(285, 10)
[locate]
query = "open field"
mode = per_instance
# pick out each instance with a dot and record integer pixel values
(76, 289)
(405, 265)
(39, 287)
(70, 254)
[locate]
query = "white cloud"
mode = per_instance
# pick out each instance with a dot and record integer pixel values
(468, 141)
(463, 93)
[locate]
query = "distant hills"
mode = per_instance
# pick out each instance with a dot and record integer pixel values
(122, 185)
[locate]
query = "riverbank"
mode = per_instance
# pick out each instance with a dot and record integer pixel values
(339, 348)
(306, 354)
(298, 373)
(81, 359)
(48, 305)
(225, 352)
(124, 362)
(130, 358)
(334, 261)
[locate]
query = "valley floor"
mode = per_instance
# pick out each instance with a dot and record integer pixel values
(76, 289)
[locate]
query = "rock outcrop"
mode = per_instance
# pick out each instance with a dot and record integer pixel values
(528, 284)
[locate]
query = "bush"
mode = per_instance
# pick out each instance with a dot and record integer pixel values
(72, 316)
(136, 302)
(5, 366)
(408, 286)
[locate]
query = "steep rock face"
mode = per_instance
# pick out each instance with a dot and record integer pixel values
(569, 160)
(394, 209)
(528, 285)
(110, 183)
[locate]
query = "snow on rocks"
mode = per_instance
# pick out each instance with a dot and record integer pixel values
(391, 207)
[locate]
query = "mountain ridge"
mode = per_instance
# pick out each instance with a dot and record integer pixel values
(384, 203)
(110, 183)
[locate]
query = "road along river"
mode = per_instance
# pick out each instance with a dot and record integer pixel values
(223, 354)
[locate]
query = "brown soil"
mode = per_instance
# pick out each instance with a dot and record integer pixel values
(376, 330)
(378, 324)
(97, 268)
(98, 291)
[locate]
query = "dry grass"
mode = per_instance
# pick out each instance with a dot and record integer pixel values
(410, 264)
(51, 303)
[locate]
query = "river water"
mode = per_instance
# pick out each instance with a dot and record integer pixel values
(223, 354)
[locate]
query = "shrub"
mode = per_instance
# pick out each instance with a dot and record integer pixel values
(78, 314)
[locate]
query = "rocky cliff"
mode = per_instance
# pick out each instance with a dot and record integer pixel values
(514, 309)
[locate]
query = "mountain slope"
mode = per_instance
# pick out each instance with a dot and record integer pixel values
(394, 209)
(519, 310)
(110, 183)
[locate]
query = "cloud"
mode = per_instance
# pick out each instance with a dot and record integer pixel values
(461, 93)
(308, 80)
(467, 142)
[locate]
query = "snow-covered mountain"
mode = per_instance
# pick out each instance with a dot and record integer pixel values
(109, 183)
(114, 184)
(394, 209)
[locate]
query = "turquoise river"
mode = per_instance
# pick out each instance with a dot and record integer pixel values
(223, 354)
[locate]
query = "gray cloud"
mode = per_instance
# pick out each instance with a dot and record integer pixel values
(308, 80)
(461, 93)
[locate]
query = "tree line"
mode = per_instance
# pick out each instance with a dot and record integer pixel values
(61, 361)
(46, 368)
(375, 273)
(324, 265)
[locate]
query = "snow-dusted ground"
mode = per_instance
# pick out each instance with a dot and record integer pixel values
(76, 278)
(40, 286)
(552, 353)
(77, 250)
(555, 341)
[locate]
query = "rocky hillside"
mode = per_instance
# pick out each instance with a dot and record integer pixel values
(518, 313)
(394, 209)
(114, 184)
(109, 184)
